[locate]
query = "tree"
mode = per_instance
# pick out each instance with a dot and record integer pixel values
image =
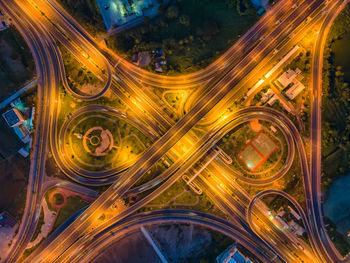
(185, 20)
(209, 29)
(172, 12)
(230, 3)
(146, 20)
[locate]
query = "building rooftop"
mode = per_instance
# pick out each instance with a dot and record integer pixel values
(287, 77)
(121, 12)
(294, 91)
(13, 117)
(232, 255)
(296, 228)
(22, 132)
(295, 214)
(23, 152)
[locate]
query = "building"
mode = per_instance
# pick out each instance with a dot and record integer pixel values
(296, 228)
(294, 91)
(288, 77)
(30, 121)
(141, 59)
(23, 152)
(261, 11)
(22, 132)
(285, 106)
(281, 223)
(120, 15)
(281, 212)
(159, 63)
(295, 214)
(257, 151)
(267, 95)
(272, 100)
(18, 104)
(3, 25)
(232, 255)
(273, 129)
(13, 117)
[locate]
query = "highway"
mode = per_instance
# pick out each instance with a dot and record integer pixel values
(210, 140)
(314, 204)
(171, 216)
(218, 82)
(268, 114)
(47, 80)
(194, 110)
(196, 114)
(294, 203)
(264, 25)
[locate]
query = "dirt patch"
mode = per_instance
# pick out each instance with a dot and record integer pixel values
(131, 248)
(179, 242)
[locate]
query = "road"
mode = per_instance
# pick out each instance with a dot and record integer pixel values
(314, 204)
(47, 80)
(186, 123)
(262, 113)
(171, 216)
(217, 85)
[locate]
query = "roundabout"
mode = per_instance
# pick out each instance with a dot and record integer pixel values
(102, 142)
(97, 142)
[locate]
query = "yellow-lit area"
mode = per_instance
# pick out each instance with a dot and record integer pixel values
(184, 141)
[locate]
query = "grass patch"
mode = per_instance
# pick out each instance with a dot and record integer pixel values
(128, 142)
(39, 225)
(58, 199)
(27, 252)
(204, 203)
(79, 77)
(186, 198)
(47, 195)
(73, 205)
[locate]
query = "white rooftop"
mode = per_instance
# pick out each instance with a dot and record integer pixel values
(294, 91)
(287, 77)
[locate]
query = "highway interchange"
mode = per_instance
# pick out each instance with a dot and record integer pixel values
(221, 84)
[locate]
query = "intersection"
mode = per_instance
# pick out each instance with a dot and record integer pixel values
(223, 83)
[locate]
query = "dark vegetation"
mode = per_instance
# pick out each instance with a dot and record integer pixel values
(336, 109)
(16, 68)
(87, 13)
(78, 75)
(73, 205)
(39, 225)
(191, 39)
(58, 199)
(336, 102)
(16, 62)
(338, 239)
(14, 169)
